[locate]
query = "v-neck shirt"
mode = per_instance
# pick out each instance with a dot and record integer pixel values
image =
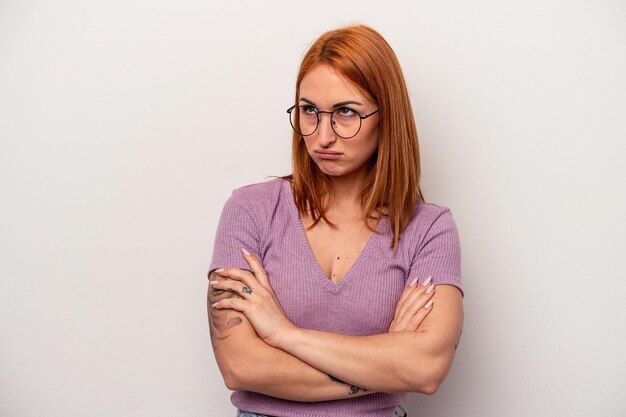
(263, 219)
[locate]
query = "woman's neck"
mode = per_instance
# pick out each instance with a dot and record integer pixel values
(347, 192)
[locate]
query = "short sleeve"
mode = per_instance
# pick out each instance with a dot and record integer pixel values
(236, 229)
(439, 253)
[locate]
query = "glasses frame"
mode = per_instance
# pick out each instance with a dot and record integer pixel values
(332, 113)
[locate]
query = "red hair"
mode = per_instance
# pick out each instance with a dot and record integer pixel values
(362, 56)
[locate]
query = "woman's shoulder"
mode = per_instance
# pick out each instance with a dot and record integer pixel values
(262, 200)
(261, 190)
(430, 223)
(427, 213)
(427, 218)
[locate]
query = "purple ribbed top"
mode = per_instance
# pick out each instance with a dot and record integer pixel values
(263, 218)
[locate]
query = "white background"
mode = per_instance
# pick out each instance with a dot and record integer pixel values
(124, 126)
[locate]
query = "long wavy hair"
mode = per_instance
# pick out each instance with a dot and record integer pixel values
(362, 56)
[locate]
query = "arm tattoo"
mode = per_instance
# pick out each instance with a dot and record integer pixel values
(353, 389)
(220, 320)
(332, 378)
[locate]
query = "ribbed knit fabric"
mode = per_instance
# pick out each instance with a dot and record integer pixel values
(263, 219)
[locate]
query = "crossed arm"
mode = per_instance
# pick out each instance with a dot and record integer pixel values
(258, 349)
(248, 363)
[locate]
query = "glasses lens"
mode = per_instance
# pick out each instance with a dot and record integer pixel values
(346, 122)
(303, 119)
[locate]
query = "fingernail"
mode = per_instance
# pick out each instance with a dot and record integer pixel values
(219, 271)
(413, 282)
(430, 289)
(427, 281)
(245, 252)
(213, 283)
(427, 306)
(215, 304)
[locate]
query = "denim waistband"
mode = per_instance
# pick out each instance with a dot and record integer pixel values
(247, 414)
(399, 412)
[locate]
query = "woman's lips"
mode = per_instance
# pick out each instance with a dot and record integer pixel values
(324, 154)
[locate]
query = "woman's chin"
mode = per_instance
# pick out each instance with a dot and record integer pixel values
(331, 171)
(340, 172)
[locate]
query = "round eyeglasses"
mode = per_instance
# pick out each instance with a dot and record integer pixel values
(346, 123)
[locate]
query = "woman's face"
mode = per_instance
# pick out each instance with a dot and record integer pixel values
(325, 90)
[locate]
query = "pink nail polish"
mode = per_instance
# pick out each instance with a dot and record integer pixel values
(413, 282)
(430, 289)
(245, 252)
(428, 304)
(219, 271)
(427, 281)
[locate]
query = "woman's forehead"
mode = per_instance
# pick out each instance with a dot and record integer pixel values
(325, 86)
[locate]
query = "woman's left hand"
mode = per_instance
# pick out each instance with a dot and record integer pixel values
(256, 300)
(413, 307)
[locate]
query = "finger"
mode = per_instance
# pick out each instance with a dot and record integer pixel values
(257, 267)
(393, 327)
(407, 290)
(420, 301)
(233, 303)
(412, 296)
(401, 306)
(414, 322)
(414, 303)
(237, 287)
(241, 275)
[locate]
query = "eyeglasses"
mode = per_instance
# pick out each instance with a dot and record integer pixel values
(346, 123)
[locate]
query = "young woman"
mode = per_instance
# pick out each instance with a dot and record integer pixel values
(336, 290)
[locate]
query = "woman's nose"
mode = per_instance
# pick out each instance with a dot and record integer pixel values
(325, 132)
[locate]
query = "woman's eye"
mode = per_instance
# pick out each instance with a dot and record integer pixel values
(345, 112)
(309, 110)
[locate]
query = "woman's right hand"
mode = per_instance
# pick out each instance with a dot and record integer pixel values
(256, 299)
(414, 305)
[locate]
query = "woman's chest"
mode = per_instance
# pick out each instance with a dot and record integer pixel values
(336, 249)
(362, 302)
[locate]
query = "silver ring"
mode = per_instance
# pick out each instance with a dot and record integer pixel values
(246, 290)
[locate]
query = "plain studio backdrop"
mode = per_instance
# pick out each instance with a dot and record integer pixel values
(125, 125)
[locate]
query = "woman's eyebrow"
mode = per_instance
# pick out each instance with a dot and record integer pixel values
(345, 103)
(308, 101)
(342, 103)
